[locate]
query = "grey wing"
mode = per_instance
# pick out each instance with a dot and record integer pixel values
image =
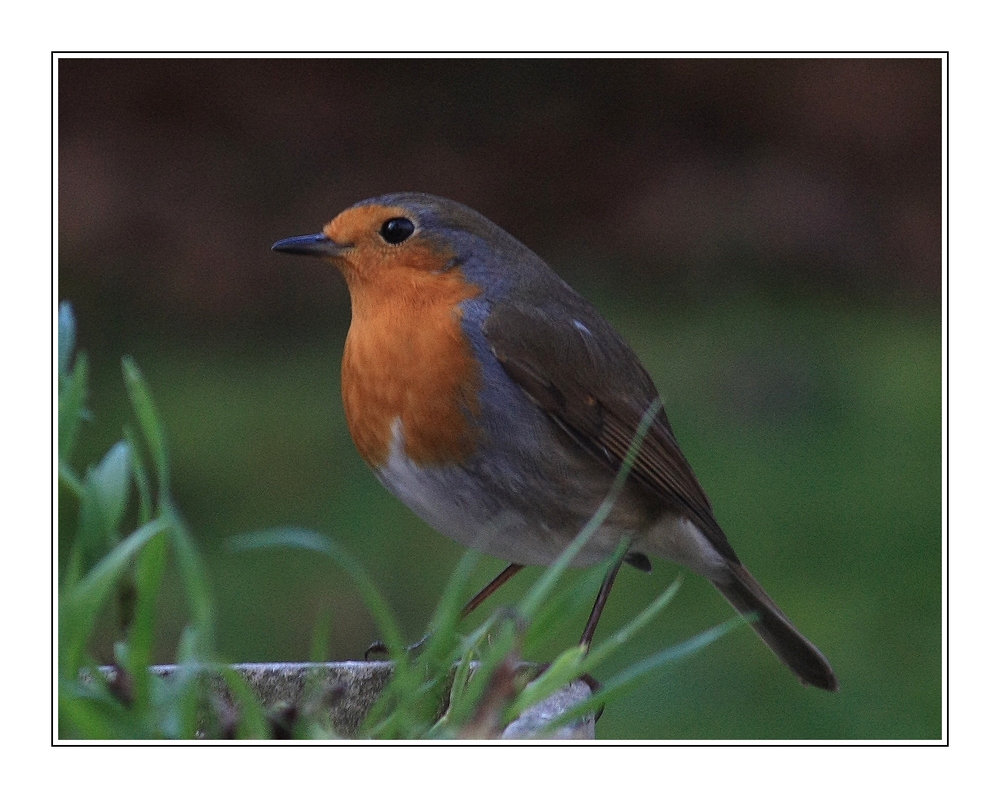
(576, 368)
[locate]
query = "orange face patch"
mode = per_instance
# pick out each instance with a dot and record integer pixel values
(406, 356)
(367, 253)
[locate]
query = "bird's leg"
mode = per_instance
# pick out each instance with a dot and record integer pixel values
(602, 599)
(378, 647)
(595, 615)
(490, 589)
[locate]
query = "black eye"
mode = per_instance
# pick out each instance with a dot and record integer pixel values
(397, 230)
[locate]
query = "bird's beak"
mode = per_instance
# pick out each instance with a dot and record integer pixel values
(317, 245)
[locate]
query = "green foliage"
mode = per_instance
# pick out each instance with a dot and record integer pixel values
(815, 428)
(487, 690)
(115, 556)
(127, 529)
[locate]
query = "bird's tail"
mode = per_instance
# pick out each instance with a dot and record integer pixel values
(747, 596)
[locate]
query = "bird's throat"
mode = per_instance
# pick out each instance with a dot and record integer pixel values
(406, 357)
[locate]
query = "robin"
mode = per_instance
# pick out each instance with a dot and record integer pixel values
(498, 404)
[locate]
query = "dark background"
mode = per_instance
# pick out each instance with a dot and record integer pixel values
(766, 233)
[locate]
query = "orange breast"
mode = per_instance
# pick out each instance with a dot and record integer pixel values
(406, 358)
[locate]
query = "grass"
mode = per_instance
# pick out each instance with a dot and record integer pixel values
(128, 525)
(815, 430)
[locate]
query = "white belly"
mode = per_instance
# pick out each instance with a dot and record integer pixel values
(459, 503)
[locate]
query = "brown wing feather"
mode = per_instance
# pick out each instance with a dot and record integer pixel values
(594, 387)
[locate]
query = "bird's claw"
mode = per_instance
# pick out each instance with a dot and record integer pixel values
(378, 647)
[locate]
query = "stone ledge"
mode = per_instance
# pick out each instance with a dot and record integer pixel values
(351, 689)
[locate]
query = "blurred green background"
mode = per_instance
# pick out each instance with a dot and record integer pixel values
(766, 233)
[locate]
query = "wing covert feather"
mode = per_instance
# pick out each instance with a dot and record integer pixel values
(576, 368)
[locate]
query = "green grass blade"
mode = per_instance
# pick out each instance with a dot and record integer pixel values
(576, 665)
(531, 602)
(504, 638)
(445, 725)
(562, 671)
(565, 603)
(627, 679)
(110, 484)
(82, 603)
(72, 397)
(87, 711)
(252, 723)
(196, 584)
(69, 479)
(149, 568)
(297, 538)
(319, 643)
(103, 498)
(140, 477)
(176, 700)
(623, 635)
(413, 696)
(149, 424)
(443, 627)
(67, 338)
(410, 702)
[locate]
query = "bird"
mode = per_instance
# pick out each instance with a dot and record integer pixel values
(499, 405)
